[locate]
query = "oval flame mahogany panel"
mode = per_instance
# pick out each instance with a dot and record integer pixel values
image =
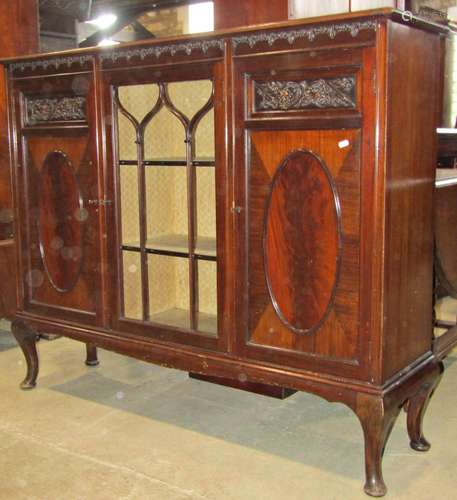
(60, 228)
(302, 240)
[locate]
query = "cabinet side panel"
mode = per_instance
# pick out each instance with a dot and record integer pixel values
(413, 90)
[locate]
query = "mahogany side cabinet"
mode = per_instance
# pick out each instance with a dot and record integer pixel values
(252, 205)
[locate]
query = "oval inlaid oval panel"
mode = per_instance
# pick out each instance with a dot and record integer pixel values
(60, 229)
(302, 241)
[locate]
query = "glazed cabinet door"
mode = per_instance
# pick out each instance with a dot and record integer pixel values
(169, 187)
(58, 201)
(299, 180)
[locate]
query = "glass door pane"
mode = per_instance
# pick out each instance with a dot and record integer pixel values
(169, 290)
(168, 204)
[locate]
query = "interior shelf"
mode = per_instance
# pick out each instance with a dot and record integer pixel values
(172, 162)
(176, 244)
(207, 323)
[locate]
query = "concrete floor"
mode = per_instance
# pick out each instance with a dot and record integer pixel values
(129, 430)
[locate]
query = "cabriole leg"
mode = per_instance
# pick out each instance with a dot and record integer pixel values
(377, 418)
(91, 357)
(26, 338)
(417, 405)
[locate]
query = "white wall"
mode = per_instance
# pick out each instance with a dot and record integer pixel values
(371, 4)
(311, 8)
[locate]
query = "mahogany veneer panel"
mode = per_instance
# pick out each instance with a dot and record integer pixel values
(334, 337)
(61, 217)
(302, 241)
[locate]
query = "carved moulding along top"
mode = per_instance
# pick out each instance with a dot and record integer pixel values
(157, 51)
(330, 30)
(321, 93)
(55, 62)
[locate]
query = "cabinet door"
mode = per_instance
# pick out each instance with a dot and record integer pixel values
(58, 197)
(299, 183)
(303, 262)
(169, 191)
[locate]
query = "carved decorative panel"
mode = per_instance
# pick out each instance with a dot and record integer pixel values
(55, 109)
(60, 225)
(302, 241)
(305, 94)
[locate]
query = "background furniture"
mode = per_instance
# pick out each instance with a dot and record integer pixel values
(254, 205)
(445, 218)
(445, 213)
(19, 36)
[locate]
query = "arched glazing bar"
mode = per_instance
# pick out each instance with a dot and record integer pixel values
(189, 125)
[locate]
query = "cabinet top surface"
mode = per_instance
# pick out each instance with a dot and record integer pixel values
(330, 25)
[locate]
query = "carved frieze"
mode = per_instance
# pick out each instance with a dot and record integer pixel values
(54, 62)
(330, 30)
(55, 109)
(291, 95)
(159, 50)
